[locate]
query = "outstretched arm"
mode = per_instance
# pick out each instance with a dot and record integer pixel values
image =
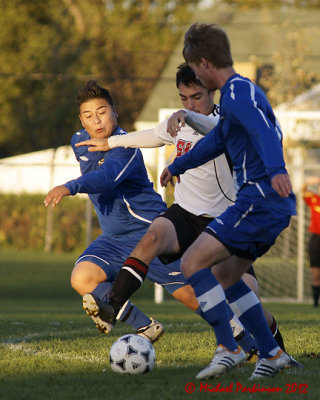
(95, 144)
(140, 139)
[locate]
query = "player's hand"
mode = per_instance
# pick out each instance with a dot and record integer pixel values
(282, 185)
(166, 177)
(95, 144)
(176, 122)
(55, 195)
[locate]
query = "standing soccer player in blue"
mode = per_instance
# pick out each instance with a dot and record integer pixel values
(250, 133)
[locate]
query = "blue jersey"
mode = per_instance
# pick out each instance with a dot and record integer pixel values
(249, 132)
(118, 186)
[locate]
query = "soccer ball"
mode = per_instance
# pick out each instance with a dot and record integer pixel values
(132, 354)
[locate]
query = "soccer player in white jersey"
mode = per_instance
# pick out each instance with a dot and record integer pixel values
(202, 194)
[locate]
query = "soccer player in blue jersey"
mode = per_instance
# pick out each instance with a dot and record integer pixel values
(125, 203)
(250, 133)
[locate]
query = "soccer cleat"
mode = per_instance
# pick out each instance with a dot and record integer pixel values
(93, 306)
(271, 366)
(223, 360)
(151, 332)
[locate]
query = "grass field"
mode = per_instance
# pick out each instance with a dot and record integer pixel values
(51, 350)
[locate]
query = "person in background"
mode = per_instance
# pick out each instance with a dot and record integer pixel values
(312, 200)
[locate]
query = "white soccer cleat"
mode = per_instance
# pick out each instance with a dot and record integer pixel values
(223, 360)
(271, 366)
(91, 306)
(151, 332)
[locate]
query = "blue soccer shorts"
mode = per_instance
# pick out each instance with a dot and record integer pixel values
(110, 253)
(248, 230)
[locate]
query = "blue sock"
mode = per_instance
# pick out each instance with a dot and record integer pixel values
(246, 341)
(102, 290)
(211, 298)
(131, 315)
(246, 305)
(243, 338)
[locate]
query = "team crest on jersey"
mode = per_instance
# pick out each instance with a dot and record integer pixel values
(100, 162)
(183, 147)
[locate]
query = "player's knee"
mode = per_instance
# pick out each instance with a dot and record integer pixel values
(75, 283)
(80, 281)
(186, 267)
(152, 239)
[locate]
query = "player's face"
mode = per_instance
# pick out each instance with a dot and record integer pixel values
(196, 98)
(98, 118)
(204, 74)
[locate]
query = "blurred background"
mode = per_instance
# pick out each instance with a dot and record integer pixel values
(49, 49)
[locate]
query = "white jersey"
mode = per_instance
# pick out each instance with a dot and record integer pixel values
(205, 190)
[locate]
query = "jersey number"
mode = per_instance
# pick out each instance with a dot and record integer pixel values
(183, 147)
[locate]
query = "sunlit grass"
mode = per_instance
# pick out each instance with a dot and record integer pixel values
(50, 349)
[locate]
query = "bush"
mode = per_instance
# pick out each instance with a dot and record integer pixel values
(24, 222)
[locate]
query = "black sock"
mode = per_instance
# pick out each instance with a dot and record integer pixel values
(316, 294)
(277, 334)
(128, 280)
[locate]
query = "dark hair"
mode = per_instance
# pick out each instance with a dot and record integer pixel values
(207, 41)
(186, 75)
(93, 91)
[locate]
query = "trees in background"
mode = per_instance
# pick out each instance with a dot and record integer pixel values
(258, 4)
(48, 49)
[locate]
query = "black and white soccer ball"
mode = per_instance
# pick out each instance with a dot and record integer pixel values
(132, 354)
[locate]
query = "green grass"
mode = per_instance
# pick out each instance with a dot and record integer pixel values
(50, 349)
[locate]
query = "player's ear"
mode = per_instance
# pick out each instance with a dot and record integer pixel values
(204, 63)
(115, 111)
